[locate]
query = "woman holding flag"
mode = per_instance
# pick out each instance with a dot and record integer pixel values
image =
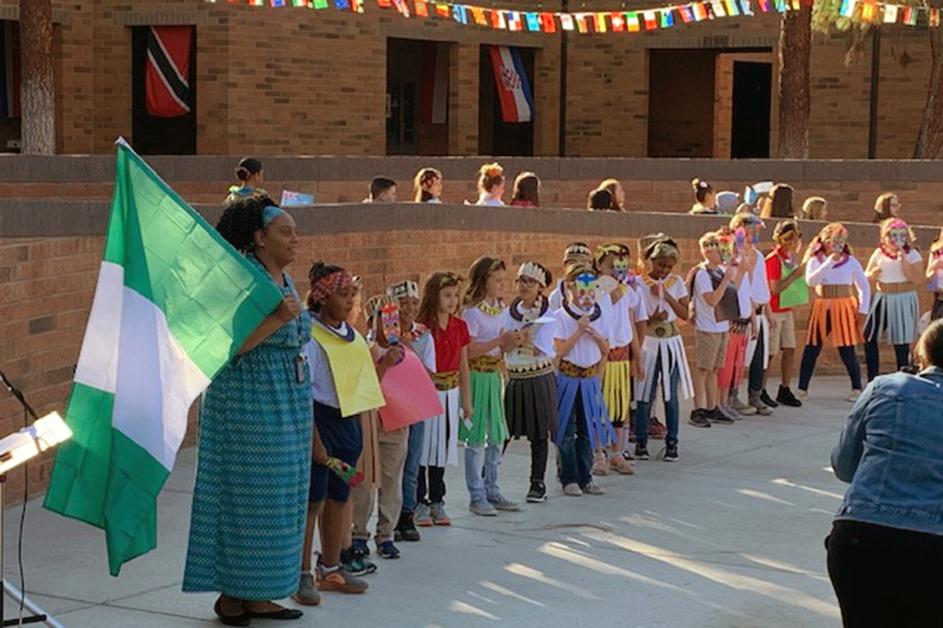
(251, 493)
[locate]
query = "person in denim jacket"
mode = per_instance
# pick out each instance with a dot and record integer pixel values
(886, 542)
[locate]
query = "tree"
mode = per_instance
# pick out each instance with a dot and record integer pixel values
(930, 136)
(38, 99)
(795, 46)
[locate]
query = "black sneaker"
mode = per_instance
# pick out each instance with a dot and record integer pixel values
(355, 564)
(537, 493)
(641, 452)
(717, 416)
(785, 397)
(671, 454)
(767, 400)
(698, 418)
(406, 529)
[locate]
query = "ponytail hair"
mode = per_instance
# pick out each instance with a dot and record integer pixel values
(701, 189)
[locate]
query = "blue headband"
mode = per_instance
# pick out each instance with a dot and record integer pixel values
(270, 213)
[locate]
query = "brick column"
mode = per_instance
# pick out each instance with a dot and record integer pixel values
(547, 99)
(463, 98)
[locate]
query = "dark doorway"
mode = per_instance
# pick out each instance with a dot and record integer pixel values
(417, 97)
(152, 135)
(496, 137)
(9, 86)
(752, 87)
(681, 103)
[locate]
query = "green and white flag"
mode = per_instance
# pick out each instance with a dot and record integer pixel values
(173, 304)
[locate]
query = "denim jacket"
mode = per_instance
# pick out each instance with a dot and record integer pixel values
(891, 451)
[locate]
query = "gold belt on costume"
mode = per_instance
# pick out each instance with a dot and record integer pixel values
(571, 370)
(485, 364)
(526, 371)
(619, 354)
(834, 292)
(447, 380)
(739, 326)
(896, 288)
(663, 329)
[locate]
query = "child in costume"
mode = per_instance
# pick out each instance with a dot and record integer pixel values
(612, 261)
(417, 338)
(843, 299)
(663, 358)
(344, 384)
(757, 355)
(440, 300)
(383, 471)
(484, 434)
(530, 399)
(784, 269)
(581, 342)
(742, 324)
(896, 267)
(574, 253)
(712, 288)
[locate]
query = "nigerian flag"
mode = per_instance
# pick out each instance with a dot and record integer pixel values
(174, 302)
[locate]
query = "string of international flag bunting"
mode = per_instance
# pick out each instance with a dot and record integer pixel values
(622, 21)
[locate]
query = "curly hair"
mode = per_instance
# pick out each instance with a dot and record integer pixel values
(241, 219)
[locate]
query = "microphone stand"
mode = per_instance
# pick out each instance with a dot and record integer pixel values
(39, 615)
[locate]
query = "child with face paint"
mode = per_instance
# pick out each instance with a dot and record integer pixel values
(530, 398)
(843, 300)
(574, 253)
(710, 282)
(757, 356)
(783, 269)
(418, 339)
(663, 358)
(612, 260)
(734, 253)
(484, 434)
(896, 269)
(440, 301)
(581, 342)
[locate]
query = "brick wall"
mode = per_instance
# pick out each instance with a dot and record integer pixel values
(286, 81)
(48, 279)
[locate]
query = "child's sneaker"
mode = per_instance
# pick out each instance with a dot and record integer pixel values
(537, 493)
(355, 564)
(439, 516)
(717, 415)
(386, 549)
(406, 529)
(698, 418)
(600, 465)
(854, 395)
(593, 489)
(338, 579)
(307, 594)
(501, 502)
(769, 401)
(656, 430)
(572, 490)
(761, 408)
(671, 454)
(741, 408)
(641, 452)
(360, 546)
(620, 465)
(423, 516)
(786, 398)
(482, 509)
(802, 395)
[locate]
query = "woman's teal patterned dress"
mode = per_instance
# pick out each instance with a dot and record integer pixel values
(251, 495)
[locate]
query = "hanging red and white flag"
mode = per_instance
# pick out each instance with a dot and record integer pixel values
(517, 104)
(434, 83)
(566, 22)
(167, 81)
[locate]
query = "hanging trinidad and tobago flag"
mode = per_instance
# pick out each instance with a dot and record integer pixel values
(517, 104)
(167, 84)
(9, 70)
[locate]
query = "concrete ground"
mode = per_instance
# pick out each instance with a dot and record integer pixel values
(730, 536)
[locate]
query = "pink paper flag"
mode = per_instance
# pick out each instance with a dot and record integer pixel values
(410, 395)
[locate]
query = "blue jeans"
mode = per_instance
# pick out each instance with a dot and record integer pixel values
(481, 472)
(576, 452)
(411, 470)
(672, 410)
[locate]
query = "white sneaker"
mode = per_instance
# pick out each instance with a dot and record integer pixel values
(593, 489)
(854, 395)
(572, 490)
(802, 395)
